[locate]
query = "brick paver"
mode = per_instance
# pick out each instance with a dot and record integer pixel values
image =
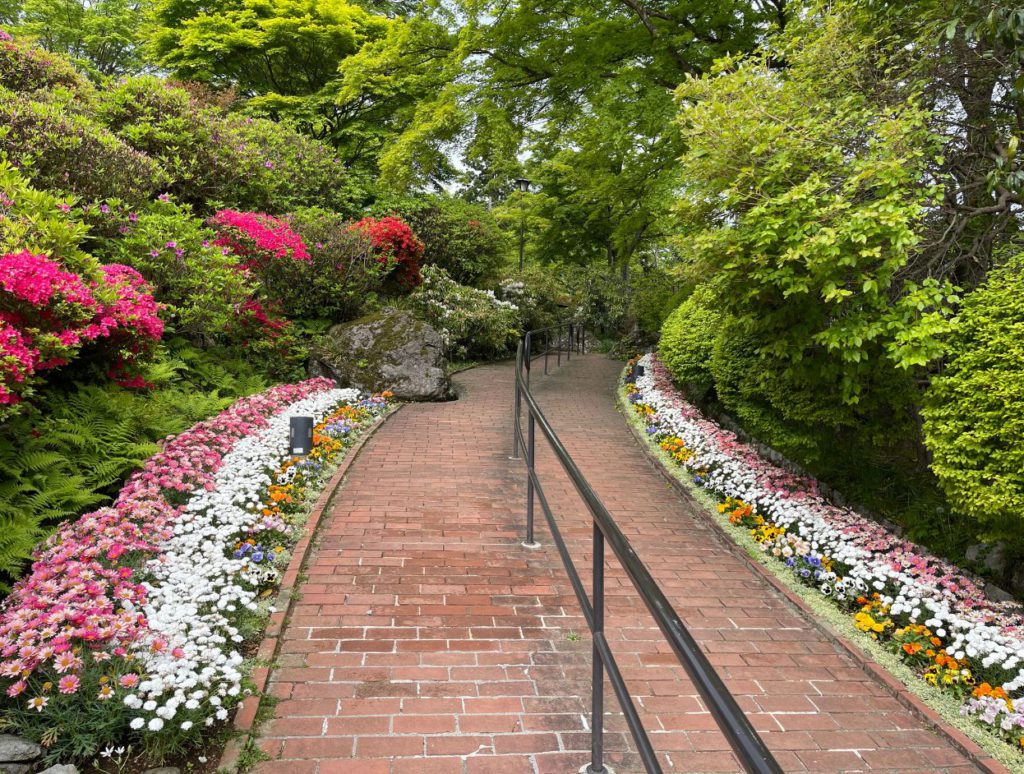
(427, 639)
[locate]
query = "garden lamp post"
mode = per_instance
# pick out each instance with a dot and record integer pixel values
(300, 435)
(524, 186)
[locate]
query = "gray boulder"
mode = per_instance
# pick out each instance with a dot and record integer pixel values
(15, 768)
(392, 350)
(14, 748)
(63, 768)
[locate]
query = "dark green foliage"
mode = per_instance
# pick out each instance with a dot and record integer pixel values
(220, 159)
(974, 411)
(342, 279)
(28, 68)
(63, 151)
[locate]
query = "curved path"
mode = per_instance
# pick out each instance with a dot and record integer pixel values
(426, 639)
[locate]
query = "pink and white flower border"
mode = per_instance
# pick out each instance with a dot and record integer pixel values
(912, 581)
(146, 580)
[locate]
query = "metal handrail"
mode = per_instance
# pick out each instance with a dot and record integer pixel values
(745, 742)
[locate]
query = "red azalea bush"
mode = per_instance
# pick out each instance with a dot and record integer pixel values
(269, 339)
(395, 243)
(48, 314)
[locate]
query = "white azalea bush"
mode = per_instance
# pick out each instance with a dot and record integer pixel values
(925, 609)
(132, 623)
(475, 323)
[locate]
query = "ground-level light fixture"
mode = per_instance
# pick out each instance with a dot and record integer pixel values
(300, 435)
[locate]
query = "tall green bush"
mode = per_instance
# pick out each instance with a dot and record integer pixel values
(688, 338)
(974, 411)
(221, 159)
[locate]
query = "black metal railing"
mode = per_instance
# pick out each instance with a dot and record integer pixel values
(747, 745)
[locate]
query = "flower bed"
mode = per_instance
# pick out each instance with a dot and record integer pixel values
(926, 610)
(131, 621)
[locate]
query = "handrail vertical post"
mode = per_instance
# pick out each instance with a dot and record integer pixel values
(559, 346)
(597, 667)
(583, 342)
(517, 412)
(547, 349)
(530, 457)
(526, 356)
(568, 354)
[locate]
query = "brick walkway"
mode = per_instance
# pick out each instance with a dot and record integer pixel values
(426, 639)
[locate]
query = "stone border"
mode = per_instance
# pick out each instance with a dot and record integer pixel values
(245, 714)
(878, 673)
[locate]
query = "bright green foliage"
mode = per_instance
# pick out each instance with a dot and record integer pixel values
(63, 151)
(103, 37)
(394, 107)
(461, 237)
(201, 286)
(974, 411)
(688, 338)
(804, 191)
(36, 221)
(281, 54)
(475, 324)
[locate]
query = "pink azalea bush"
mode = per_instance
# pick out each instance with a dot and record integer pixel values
(927, 610)
(48, 314)
(257, 239)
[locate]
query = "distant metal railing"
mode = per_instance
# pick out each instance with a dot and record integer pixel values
(745, 742)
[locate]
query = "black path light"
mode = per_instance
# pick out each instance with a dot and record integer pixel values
(300, 435)
(524, 186)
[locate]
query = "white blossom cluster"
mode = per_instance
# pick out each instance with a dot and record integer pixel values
(970, 627)
(189, 659)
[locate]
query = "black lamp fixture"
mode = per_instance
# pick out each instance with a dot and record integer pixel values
(300, 435)
(524, 186)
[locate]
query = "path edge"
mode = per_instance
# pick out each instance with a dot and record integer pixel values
(245, 715)
(891, 684)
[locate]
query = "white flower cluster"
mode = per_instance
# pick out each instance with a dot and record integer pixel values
(189, 659)
(970, 629)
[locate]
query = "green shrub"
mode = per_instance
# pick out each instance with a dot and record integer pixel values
(222, 160)
(654, 295)
(200, 285)
(343, 276)
(475, 324)
(25, 67)
(538, 295)
(40, 222)
(738, 372)
(460, 237)
(62, 151)
(688, 338)
(974, 411)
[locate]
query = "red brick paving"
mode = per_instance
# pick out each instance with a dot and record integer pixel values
(426, 639)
